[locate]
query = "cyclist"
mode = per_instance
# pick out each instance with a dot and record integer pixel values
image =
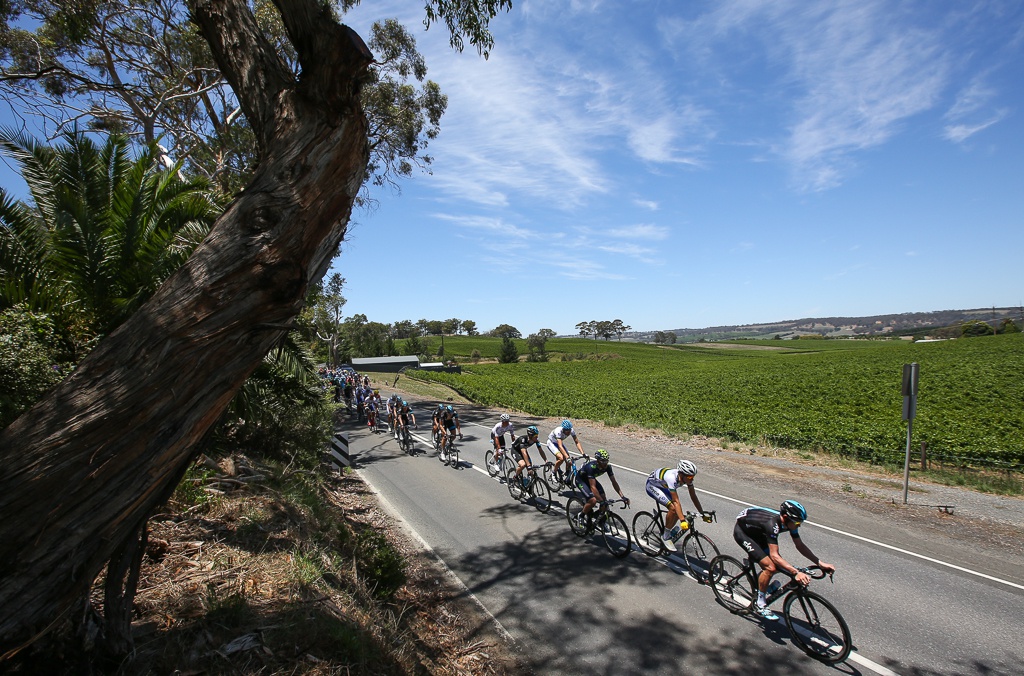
(586, 480)
(435, 424)
(404, 415)
(557, 448)
(757, 531)
(372, 406)
(498, 436)
(393, 401)
(662, 485)
(449, 424)
(522, 445)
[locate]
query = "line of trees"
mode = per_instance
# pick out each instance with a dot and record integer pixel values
(603, 329)
(665, 337)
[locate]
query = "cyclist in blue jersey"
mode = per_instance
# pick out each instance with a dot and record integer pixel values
(586, 480)
(757, 531)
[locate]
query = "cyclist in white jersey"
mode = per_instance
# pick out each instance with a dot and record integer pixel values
(557, 447)
(662, 485)
(498, 433)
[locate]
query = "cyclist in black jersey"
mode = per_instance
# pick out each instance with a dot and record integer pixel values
(586, 480)
(522, 446)
(757, 531)
(449, 424)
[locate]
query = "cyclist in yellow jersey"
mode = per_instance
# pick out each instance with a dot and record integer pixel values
(662, 485)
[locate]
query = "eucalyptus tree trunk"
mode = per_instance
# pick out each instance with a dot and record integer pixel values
(84, 468)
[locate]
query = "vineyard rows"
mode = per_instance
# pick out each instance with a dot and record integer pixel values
(840, 396)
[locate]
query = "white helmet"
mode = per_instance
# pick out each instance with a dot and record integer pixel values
(505, 417)
(687, 468)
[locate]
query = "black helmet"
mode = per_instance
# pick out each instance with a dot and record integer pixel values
(793, 510)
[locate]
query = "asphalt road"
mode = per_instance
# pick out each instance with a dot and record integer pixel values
(576, 609)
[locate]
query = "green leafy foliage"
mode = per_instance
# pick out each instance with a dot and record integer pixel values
(839, 396)
(31, 361)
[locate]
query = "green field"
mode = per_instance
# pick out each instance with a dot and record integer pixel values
(834, 395)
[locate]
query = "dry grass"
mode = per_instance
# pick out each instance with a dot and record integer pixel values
(300, 575)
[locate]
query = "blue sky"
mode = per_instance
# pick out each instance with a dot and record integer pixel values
(688, 164)
(682, 164)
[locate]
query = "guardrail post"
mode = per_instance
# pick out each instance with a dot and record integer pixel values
(924, 456)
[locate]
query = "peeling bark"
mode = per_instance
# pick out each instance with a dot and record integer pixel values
(86, 465)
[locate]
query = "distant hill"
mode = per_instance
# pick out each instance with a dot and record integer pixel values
(907, 323)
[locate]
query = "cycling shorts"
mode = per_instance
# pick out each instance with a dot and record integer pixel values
(755, 547)
(553, 447)
(450, 426)
(501, 441)
(658, 492)
(584, 486)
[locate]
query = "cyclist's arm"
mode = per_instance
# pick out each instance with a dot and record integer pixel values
(615, 485)
(579, 447)
(806, 551)
(693, 498)
(540, 447)
(594, 489)
(781, 563)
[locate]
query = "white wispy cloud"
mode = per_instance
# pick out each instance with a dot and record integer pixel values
(650, 205)
(490, 224)
(857, 70)
(971, 111)
(641, 253)
(640, 231)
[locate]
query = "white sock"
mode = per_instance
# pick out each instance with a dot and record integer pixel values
(760, 600)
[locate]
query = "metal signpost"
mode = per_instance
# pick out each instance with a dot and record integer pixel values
(910, 373)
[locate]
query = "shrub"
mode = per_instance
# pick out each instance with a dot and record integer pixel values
(30, 361)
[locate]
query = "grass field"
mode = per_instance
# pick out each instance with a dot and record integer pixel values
(838, 396)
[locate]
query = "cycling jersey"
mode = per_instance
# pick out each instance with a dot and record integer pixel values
(560, 434)
(592, 470)
(501, 428)
(523, 443)
(666, 478)
(448, 419)
(757, 528)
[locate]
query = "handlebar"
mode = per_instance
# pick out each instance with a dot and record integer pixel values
(816, 573)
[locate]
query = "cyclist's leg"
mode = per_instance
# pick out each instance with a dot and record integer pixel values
(661, 497)
(592, 497)
(757, 551)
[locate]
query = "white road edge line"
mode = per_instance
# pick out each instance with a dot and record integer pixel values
(396, 515)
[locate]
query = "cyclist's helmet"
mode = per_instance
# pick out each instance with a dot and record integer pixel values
(566, 424)
(687, 468)
(793, 510)
(449, 408)
(601, 455)
(404, 403)
(505, 417)
(532, 429)
(440, 407)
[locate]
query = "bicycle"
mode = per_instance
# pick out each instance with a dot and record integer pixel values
(815, 625)
(449, 455)
(568, 479)
(696, 547)
(405, 440)
(505, 465)
(611, 526)
(535, 487)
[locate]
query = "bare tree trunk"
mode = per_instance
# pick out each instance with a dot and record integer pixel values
(86, 465)
(119, 593)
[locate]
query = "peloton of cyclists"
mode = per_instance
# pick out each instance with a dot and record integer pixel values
(557, 448)
(522, 446)
(757, 531)
(586, 481)
(498, 436)
(662, 485)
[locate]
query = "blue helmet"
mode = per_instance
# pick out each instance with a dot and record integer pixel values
(566, 424)
(532, 429)
(404, 403)
(793, 510)
(449, 408)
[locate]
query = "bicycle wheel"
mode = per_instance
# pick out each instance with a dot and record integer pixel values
(817, 627)
(508, 466)
(732, 583)
(647, 533)
(573, 510)
(616, 535)
(515, 486)
(698, 550)
(541, 493)
(493, 469)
